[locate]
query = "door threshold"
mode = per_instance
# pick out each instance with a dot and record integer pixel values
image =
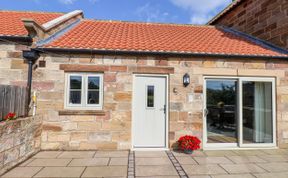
(238, 148)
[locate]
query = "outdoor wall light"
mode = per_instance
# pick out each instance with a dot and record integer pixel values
(186, 80)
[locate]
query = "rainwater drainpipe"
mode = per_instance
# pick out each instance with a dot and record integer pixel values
(31, 57)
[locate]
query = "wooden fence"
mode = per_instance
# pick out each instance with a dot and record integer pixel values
(13, 99)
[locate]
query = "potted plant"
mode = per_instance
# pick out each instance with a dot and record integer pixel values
(189, 143)
(10, 116)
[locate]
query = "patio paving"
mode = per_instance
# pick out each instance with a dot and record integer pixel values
(207, 164)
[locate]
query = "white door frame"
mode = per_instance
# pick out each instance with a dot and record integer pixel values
(239, 144)
(166, 117)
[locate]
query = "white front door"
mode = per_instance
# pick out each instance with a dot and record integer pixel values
(149, 112)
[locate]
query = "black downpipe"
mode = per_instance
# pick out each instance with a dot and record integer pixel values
(31, 57)
(29, 82)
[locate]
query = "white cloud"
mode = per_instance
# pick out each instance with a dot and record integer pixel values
(203, 10)
(67, 2)
(70, 2)
(152, 13)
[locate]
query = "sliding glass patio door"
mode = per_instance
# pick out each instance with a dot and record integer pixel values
(257, 112)
(221, 112)
(239, 112)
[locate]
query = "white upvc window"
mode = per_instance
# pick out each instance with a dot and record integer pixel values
(84, 91)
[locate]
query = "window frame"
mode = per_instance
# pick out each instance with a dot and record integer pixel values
(240, 144)
(84, 91)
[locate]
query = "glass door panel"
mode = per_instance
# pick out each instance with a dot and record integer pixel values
(257, 112)
(221, 111)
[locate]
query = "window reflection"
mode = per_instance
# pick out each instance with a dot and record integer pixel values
(222, 111)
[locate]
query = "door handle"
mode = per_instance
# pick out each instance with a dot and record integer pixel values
(206, 112)
(164, 109)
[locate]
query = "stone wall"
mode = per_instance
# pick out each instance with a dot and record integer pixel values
(19, 139)
(264, 19)
(111, 127)
(12, 66)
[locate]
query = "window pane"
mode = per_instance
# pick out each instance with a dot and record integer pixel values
(257, 112)
(150, 96)
(93, 83)
(75, 97)
(221, 105)
(75, 82)
(93, 97)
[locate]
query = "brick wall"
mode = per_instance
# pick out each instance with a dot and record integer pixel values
(265, 19)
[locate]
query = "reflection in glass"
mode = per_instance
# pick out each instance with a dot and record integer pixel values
(150, 96)
(257, 112)
(222, 111)
(75, 89)
(93, 90)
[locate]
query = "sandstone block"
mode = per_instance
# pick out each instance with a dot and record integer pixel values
(89, 126)
(79, 136)
(123, 96)
(99, 136)
(58, 137)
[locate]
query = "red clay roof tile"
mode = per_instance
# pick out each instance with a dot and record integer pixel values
(12, 25)
(133, 36)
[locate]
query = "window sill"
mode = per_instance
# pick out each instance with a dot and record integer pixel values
(81, 112)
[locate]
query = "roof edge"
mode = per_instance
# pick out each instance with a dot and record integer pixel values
(58, 34)
(23, 11)
(256, 40)
(153, 53)
(51, 24)
(224, 11)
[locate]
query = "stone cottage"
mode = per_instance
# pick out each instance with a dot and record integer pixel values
(132, 85)
(264, 19)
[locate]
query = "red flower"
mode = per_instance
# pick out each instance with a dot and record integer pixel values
(10, 116)
(188, 142)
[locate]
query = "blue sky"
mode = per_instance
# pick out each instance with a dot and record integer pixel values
(165, 11)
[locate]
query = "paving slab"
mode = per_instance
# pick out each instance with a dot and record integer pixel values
(274, 167)
(47, 154)
(249, 152)
(272, 175)
(23, 172)
(153, 161)
(159, 177)
(276, 151)
(162, 170)
(60, 172)
(150, 154)
(203, 169)
(233, 176)
(194, 154)
(186, 160)
(220, 153)
(89, 162)
(246, 159)
(105, 171)
(213, 160)
(274, 158)
(113, 154)
(77, 154)
(50, 162)
(118, 162)
(242, 168)
(25, 163)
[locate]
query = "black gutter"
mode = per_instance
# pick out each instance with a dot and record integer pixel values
(152, 53)
(19, 39)
(31, 57)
